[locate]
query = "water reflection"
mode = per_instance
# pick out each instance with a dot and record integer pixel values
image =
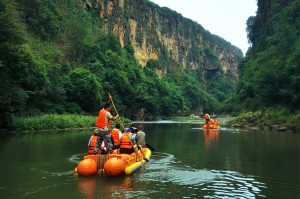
(87, 186)
(118, 188)
(210, 136)
(105, 187)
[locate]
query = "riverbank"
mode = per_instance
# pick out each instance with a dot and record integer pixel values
(49, 122)
(253, 121)
(223, 120)
(267, 121)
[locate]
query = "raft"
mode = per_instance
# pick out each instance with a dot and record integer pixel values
(210, 126)
(113, 164)
(213, 124)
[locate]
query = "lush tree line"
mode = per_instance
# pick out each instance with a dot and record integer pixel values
(54, 58)
(269, 73)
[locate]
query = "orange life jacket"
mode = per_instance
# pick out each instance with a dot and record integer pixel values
(125, 141)
(216, 122)
(212, 122)
(93, 144)
(115, 135)
(101, 119)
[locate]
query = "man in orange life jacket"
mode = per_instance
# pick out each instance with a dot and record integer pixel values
(127, 141)
(116, 135)
(207, 119)
(103, 124)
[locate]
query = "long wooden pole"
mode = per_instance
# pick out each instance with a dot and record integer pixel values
(137, 155)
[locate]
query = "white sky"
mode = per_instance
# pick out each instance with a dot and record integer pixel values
(225, 18)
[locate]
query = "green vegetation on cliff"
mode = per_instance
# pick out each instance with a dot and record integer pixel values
(270, 72)
(55, 58)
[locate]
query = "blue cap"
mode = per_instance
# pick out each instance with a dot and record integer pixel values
(127, 129)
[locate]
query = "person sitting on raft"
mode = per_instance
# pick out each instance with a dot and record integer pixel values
(126, 142)
(116, 134)
(140, 141)
(92, 144)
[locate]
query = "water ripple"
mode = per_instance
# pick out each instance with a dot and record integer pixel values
(209, 183)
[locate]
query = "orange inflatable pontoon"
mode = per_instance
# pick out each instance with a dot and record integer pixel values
(212, 124)
(112, 164)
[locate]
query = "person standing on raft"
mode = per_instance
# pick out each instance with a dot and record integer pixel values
(103, 125)
(207, 119)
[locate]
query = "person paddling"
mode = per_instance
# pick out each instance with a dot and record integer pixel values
(140, 140)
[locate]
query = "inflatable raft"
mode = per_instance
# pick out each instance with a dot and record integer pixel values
(212, 124)
(112, 164)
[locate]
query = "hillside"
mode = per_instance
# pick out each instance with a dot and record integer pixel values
(270, 72)
(65, 56)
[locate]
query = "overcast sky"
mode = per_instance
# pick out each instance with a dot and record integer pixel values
(225, 18)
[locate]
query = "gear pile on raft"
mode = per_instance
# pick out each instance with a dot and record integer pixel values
(113, 152)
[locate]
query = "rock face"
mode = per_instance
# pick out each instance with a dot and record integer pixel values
(154, 32)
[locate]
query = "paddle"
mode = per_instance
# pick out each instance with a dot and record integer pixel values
(150, 147)
(110, 97)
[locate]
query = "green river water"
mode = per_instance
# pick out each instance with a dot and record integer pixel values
(188, 162)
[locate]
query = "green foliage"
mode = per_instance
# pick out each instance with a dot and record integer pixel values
(42, 17)
(271, 69)
(212, 57)
(55, 121)
(84, 89)
(55, 58)
(52, 121)
(12, 97)
(273, 116)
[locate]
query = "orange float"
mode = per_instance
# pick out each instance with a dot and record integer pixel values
(87, 167)
(112, 164)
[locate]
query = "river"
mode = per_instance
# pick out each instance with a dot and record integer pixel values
(188, 162)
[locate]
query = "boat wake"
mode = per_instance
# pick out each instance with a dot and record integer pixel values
(168, 171)
(76, 157)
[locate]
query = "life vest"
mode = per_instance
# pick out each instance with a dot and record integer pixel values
(211, 124)
(101, 119)
(125, 141)
(115, 135)
(207, 116)
(93, 144)
(216, 122)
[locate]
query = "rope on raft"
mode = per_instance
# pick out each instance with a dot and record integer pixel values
(101, 159)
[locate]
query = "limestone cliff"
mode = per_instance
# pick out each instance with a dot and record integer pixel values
(153, 31)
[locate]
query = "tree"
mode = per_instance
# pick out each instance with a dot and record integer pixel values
(84, 90)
